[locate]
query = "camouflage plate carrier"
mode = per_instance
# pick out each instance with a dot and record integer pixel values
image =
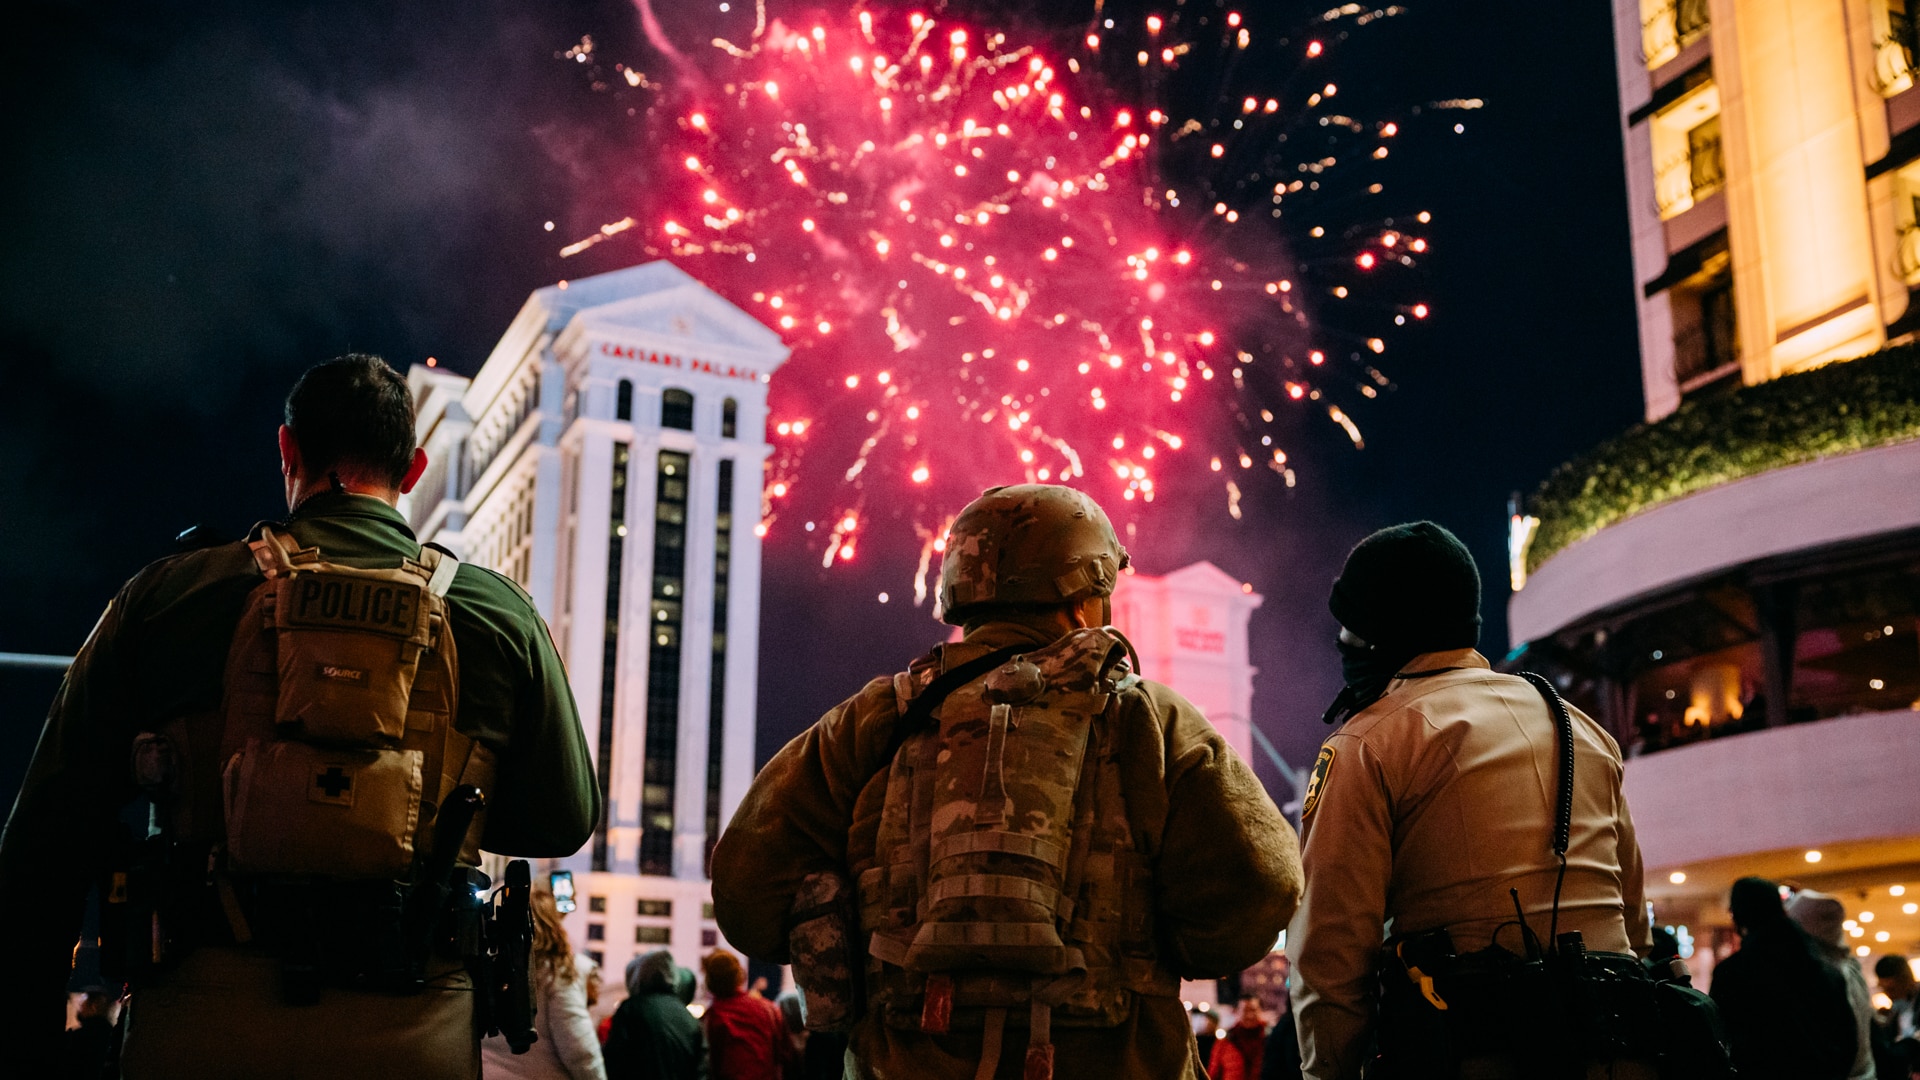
(1006, 884)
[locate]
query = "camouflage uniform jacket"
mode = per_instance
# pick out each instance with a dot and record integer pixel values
(1226, 866)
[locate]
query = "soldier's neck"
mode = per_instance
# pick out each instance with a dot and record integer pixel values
(302, 488)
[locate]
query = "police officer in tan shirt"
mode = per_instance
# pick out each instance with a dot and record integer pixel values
(1435, 797)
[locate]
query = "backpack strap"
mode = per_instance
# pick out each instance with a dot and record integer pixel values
(920, 712)
(277, 553)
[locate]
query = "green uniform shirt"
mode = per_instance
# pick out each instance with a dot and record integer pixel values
(160, 652)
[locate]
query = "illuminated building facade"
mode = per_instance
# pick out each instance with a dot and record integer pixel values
(607, 457)
(1754, 643)
(1190, 628)
(1773, 171)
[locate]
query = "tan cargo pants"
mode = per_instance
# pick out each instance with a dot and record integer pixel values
(219, 1016)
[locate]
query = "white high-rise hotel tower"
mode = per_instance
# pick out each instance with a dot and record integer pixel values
(608, 457)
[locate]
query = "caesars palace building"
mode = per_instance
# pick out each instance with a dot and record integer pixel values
(608, 457)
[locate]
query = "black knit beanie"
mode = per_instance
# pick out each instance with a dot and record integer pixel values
(1410, 587)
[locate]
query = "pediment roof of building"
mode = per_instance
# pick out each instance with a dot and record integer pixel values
(691, 313)
(562, 301)
(1203, 576)
(656, 300)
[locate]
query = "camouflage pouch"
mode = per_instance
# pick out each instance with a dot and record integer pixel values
(1001, 824)
(821, 949)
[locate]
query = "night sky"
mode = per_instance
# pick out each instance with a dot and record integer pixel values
(202, 200)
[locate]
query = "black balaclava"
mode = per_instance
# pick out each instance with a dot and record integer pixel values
(1405, 590)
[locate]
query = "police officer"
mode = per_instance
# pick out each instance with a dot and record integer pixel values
(1177, 864)
(153, 699)
(1436, 797)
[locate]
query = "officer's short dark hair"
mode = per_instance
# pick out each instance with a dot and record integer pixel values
(1891, 967)
(353, 412)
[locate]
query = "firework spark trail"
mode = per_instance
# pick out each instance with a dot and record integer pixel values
(974, 241)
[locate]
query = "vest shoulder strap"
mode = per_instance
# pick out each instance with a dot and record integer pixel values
(277, 553)
(440, 565)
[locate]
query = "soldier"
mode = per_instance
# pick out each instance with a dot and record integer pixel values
(1432, 813)
(297, 709)
(1017, 845)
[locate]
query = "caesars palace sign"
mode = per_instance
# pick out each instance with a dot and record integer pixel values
(703, 367)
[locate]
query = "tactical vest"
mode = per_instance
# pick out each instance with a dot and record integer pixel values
(337, 737)
(1005, 881)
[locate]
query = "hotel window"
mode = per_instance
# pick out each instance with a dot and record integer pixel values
(1706, 336)
(597, 904)
(717, 686)
(623, 401)
(658, 909)
(610, 647)
(676, 409)
(729, 417)
(1839, 641)
(596, 932)
(1687, 159)
(1906, 216)
(658, 775)
(1667, 27)
(1894, 39)
(1856, 644)
(653, 935)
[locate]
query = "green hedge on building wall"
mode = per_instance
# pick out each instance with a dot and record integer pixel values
(1835, 409)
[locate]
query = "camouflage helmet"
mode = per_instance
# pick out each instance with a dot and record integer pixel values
(1028, 544)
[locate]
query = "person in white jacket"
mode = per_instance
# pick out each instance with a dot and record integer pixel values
(1824, 919)
(567, 1048)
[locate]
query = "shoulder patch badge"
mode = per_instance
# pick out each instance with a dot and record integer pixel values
(1317, 782)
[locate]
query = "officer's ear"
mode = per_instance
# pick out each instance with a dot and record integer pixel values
(289, 453)
(1093, 611)
(415, 469)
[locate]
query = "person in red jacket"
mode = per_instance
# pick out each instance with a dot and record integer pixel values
(746, 1035)
(1237, 1054)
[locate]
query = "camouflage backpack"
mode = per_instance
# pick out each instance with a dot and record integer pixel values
(1005, 883)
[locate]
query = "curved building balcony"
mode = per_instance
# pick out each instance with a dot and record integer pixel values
(1825, 805)
(1751, 561)
(1734, 592)
(1802, 508)
(1760, 801)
